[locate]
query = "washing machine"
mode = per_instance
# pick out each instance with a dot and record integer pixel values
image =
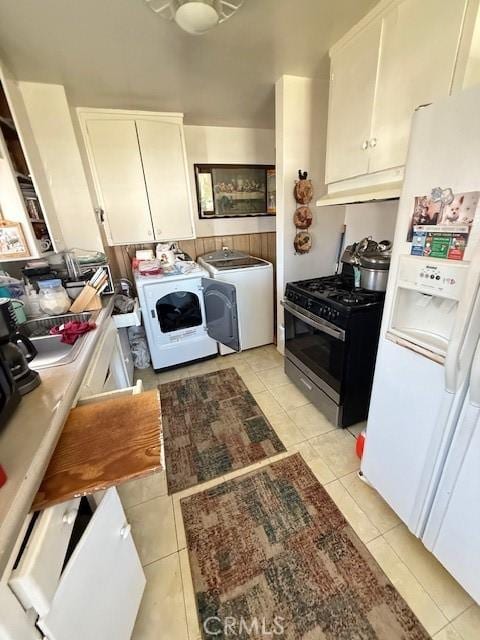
(186, 315)
(252, 280)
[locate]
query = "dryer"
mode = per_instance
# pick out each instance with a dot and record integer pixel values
(186, 314)
(252, 279)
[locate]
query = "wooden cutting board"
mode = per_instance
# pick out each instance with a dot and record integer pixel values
(103, 444)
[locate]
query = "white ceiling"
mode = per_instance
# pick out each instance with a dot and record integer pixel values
(119, 54)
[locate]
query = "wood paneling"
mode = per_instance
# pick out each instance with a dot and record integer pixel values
(261, 245)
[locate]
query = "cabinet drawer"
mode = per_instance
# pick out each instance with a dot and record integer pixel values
(37, 572)
(109, 395)
(98, 370)
(126, 353)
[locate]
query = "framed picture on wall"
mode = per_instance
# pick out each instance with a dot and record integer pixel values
(235, 190)
(12, 241)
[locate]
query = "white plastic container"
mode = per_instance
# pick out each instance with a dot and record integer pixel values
(32, 303)
(54, 299)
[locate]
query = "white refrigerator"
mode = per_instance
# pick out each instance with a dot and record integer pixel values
(422, 450)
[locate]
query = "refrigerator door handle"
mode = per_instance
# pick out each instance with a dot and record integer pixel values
(475, 379)
(465, 332)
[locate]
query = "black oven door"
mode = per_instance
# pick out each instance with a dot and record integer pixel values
(317, 347)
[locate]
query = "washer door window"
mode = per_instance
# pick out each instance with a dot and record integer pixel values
(220, 300)
(179, 310)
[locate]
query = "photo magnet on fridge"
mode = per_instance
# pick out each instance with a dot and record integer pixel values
(441, 223)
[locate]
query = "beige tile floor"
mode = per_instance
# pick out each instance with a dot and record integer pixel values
(168, 611)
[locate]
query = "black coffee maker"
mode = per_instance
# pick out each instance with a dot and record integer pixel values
(17, 357)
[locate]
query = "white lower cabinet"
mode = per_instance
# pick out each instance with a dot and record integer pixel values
(36, 576)
(98, 592)
(78, 575)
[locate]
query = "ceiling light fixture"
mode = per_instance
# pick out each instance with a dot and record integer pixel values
(195, 16)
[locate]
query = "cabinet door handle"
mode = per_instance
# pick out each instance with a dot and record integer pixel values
(365, 145)
(373, 142)
(159, 232)
(100, 214)
(149, 233)
(125, 530)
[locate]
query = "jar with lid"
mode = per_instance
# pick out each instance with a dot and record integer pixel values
(54, 299)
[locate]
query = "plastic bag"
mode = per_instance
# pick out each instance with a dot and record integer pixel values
(123, 304)
(11, 287)
(139, 347)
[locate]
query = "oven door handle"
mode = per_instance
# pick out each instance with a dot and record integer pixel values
(319, 324)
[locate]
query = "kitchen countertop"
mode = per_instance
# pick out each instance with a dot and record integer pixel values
(28, 440)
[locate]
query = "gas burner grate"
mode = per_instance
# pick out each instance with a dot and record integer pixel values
(338, 289)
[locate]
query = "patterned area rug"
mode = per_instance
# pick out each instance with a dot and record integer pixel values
(270, 553)
(211, 426)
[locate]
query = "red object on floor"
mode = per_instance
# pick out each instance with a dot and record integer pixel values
(71, 331)
(360, 443)
(3, 476)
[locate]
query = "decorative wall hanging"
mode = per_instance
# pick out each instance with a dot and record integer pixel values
(303, 190)
(302, 218)
(235, 190)
(12, 240)
(302, 242)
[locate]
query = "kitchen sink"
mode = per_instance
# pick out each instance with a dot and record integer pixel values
(51, 351)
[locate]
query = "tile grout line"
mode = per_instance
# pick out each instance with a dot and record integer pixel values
(183, 594)
(168, 555)
(407, 568)
(432, 596)
(290, 451)
(137, 504)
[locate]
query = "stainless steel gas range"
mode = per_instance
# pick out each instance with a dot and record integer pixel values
(331, 338)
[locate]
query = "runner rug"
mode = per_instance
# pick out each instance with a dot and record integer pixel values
(272, 557)
(211, 426)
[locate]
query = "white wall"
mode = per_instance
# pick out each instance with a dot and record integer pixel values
(225, 145)
(52, 127)
(301, 106)
(376, 219)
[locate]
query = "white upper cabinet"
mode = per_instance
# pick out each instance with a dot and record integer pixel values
(404, 53)
(165, 169)
(119, 180)
(419, 49)
(52, 126)
(139, 166)
(25, 194)
(352, 91)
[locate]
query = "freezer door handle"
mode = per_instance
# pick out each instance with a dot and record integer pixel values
(466, 329)
(475, 379)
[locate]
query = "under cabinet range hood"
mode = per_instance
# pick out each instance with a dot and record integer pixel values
(370, 193)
